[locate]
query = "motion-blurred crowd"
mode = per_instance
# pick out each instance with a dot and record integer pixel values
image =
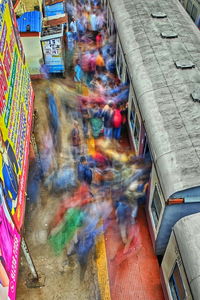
(106, 180)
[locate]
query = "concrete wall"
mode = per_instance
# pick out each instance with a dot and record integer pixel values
(33, 52)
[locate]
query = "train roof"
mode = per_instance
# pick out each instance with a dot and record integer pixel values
(163, 92)
(188, 238)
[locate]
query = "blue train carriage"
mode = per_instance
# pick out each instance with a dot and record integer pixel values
(193, 9)
(159, 47)
(180, 268)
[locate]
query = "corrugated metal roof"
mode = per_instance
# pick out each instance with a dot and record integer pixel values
(55, 9)
(170, 116)
(30, 22)
(188, 238)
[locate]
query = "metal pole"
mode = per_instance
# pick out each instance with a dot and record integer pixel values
(29, 259)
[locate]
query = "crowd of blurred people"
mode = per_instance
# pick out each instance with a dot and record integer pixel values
(104, 182)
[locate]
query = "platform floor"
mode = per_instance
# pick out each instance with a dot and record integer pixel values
(134, 275)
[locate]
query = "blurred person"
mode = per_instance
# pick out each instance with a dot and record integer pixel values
(96, 120)
(84, 172)
(100, 63)
(34, 178)
(44, 70)
(70, 41)
(117, 122)
(76, 140)
(86, 240)
(88, 6)
(100, 20)
(46, 152)
(92, 65)
(81, 28)
(61, 180)
(78, 76)
(54, 117)
(123, 213)
(61, 235)
(99, 40)
(93, 22)
(73, 28)
(70, 8)
(108, 117)
(110, 64)
(99, 87)
(85, 113)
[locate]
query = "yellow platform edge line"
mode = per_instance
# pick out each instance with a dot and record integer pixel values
(102, 269)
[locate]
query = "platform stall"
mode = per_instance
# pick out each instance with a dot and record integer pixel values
(53, 48)
(16, 106)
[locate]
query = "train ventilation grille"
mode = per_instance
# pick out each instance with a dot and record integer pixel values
(169, 35)
(184, 64)
(158, 15)
(196, 95)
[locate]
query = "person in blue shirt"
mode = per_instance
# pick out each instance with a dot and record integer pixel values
(70, 41)
(78, 76)
(84, 172)
(73, 27)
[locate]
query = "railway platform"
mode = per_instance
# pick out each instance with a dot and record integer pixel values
(130, 272)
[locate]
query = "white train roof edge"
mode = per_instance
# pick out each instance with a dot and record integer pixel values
(187, 234)
(171, 118)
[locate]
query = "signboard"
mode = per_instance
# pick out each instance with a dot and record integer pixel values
(16, 104)
(52, 49)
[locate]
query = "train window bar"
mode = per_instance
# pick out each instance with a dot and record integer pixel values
(184, 64)
(196, 95)
(158, 15)
(169, 34)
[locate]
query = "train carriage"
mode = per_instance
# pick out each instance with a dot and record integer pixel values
(159, 49)
(180, 269)
(193, 9)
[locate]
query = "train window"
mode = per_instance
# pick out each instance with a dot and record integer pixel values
(132, 119)
(127, 80)
(194, 13)
(156, 206)
(137, 131)
(176, 285)
(189, 7)
(132, 115)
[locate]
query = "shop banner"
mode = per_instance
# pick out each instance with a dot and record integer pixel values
(9, 252)
(16, 104)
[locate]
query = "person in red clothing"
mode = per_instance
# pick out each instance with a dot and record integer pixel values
(99, 40)
(117, 122)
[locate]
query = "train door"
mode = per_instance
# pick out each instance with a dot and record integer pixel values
(135, 125)
(146, 151)
(120, 63)
(155, 204)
